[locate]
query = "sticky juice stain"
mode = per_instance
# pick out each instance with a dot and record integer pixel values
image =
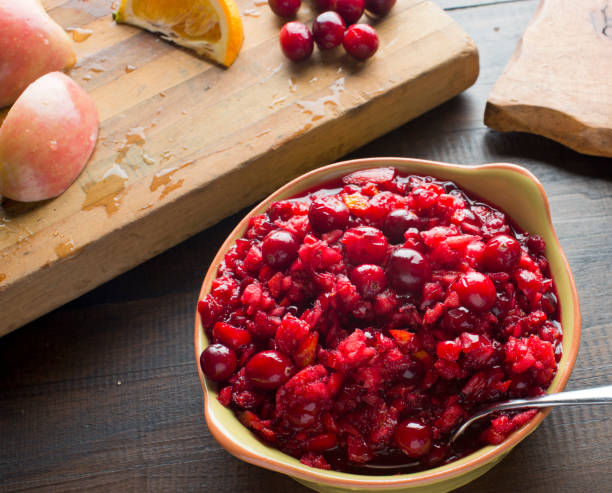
(164, 179)
(64, 249)
(79, 34)
(107, 192)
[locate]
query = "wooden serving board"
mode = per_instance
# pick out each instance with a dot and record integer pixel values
(557, 83)
(184, 143)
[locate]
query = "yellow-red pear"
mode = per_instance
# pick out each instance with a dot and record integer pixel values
(46, 139)
(31, 44)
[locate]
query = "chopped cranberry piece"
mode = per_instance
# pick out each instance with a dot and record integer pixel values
(269, 369)
(232, 336)
(413, 438)
(285, 8)
(350, 10)
(360, 41)
(364, 245)
(408, 269)
(476, 291)
(279, 248)
(328, 213)
(398, 222)
(379, 8)
(502, 253)
(328, 30)
(218, 362)
(376, 176)
(369, 279)
(296, 41)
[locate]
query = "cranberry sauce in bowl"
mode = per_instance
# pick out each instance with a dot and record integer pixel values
(357, 325)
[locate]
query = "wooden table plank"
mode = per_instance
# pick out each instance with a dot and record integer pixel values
(66, 424)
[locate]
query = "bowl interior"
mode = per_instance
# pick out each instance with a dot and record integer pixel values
(509, 187)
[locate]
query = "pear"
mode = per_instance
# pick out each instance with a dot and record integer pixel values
(31, 44)
(46, 139)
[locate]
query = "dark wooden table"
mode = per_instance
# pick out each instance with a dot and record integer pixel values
(103, 394)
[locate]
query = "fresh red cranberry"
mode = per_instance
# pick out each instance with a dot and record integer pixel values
(218, 362)
(502, 254)
(328, 213)
(360, 41)
(350, 10)
(413, 438)
(285, 8)
(369, 279)
(408, 269)
(269, 369)
(379, 8)
(397, 223)
(328, 30)
(296, 41)
(365, 245)
(476, 291)
(279, 248)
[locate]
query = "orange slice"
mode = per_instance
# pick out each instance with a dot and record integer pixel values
(212, 28)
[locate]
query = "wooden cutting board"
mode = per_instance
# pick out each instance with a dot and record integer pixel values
(557, 83)
(184, 143)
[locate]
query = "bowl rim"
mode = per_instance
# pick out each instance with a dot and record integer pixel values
(379, 482)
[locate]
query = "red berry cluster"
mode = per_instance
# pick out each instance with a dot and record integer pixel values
(329, 28)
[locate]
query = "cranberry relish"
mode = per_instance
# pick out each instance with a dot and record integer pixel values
(362, 322)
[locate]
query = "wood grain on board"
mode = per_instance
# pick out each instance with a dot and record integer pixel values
(183, 143)
(557, 83)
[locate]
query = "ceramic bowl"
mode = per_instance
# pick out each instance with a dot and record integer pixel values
(509, 187)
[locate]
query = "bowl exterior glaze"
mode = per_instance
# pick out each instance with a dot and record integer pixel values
(509, 187)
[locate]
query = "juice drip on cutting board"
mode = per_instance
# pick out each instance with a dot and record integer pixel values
(79, 34)
(107, 192)
(64, 249)
(319, 108)
(164, 178)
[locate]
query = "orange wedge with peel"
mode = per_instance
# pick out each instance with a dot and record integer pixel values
(211, 28)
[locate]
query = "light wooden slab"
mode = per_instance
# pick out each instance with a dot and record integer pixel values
(184, 143)
(557, 83)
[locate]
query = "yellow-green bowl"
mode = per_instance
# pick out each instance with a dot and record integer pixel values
(511, 188)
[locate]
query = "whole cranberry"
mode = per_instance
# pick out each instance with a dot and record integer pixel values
(360, 41)
(408, 269)
(269, 369)
(397, 223)
(328, 30)
(379, 8)
(218, 362)
(296, 41)
(279, 248)
(328, 213)
(365, 245)
(502, 254)
(285, 8)
(369, 279)
(350, 10)
(476, 291)
(413, 438)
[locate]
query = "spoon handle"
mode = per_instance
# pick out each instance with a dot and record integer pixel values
(594, 395)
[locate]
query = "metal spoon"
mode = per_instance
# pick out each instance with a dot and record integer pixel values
(595, 395)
